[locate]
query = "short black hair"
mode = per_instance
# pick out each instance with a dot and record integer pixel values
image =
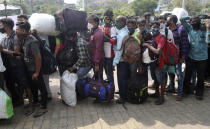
(147, 14)
(146, 36)
(23, 16)
(122, 19)
(131, 21)
(94, 18)
(162, 17)
(108, 12)
(140, 20)
(155, 23)
(8, 22)
(24, 25)
(173, 18)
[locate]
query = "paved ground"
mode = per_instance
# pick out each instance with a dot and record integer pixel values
(189, 114)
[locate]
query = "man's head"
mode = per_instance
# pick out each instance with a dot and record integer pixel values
(93, 21)
(155, 28)
(147, 16)
(172, 20)
(120, 22)
(162, 19)
(22, 18)
(23, 29)
(141, 23)
(108, 15)
(131, 24)
(6, 25)
(195, 21)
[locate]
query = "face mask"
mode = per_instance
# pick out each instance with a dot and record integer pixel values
(90, 26)
(131, 30)
(155, 31)
(117, 25)
(106, 21)
(162, 26)
(22, 36)
(196, 25)
(2, 30)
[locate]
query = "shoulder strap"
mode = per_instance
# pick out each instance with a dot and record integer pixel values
(166, 33)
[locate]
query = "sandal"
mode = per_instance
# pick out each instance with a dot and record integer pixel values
(29, 111)
(40, 112)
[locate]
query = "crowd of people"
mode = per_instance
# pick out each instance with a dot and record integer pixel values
(101, 48)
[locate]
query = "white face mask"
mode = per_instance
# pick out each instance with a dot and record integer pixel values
(162, 26)
(90, 26)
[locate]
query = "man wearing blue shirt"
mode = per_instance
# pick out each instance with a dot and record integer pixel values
(198, 54)
(122, 67)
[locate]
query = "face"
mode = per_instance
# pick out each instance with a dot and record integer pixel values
(155, 30)
(21, 33)
(141, 25)
(94, 24)
(169, 21)
(107, 20)
(162, 21)
(130, 25)
(21, 19)
(147, 17)
(2, 28)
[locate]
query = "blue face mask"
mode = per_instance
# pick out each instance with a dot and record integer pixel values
(155, 31)
(131, 30)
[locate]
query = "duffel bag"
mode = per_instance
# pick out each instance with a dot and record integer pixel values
(101, 90)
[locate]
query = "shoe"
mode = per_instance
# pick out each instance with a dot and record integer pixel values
(199, 97)
(160, 101)
(154, 95)
(120, 101)
(170, 90)
(179, 97)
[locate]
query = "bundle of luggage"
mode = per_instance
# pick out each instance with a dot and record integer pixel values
(62, 22)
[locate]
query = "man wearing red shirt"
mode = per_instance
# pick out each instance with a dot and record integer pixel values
(161, 75)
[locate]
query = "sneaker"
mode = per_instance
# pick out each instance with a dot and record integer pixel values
(120, 101)
(159, 101)
(199, 97)
(170, 90)
(179, 97)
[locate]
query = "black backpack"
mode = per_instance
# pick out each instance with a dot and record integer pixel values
(137, 91)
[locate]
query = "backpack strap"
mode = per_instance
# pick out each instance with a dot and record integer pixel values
(166, 33)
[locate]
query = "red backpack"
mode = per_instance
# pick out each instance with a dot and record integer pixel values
(169, 53)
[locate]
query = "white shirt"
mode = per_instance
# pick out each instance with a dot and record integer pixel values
(170, 34)
(2, 68)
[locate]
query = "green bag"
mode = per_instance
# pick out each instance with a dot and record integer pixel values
(6, 108)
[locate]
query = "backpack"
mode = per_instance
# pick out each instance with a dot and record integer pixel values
(152, 55)
(137, 91)
(132, 50)
(170, 52)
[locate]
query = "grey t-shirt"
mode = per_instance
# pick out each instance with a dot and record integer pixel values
(30, 48)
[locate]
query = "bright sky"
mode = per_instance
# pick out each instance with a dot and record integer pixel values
(70, 1)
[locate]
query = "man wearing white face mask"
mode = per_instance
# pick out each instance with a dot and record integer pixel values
(164, 30)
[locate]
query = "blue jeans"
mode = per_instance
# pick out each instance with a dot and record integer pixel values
(82, 71)
(180, 76)
(133, 69)
(123, 75)
(109, 69)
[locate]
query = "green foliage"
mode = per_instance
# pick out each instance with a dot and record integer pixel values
(206, 8)
(193, 7)
(142, 6)
(125, 10)
(24, 6)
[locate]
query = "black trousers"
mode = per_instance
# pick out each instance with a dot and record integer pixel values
(1, 80)
(200, 67)
(38, 85)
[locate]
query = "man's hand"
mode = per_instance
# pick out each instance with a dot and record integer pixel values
(140, 70)
(182, 59)
(145, 44)
(70, 69)
(35, 76)
(96, 68)
(1, 48)
(208, 24)
(34, 32)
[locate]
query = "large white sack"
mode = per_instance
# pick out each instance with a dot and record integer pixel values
(68, 88)
(180, 12)
(44, 24)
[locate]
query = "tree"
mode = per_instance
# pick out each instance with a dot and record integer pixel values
(142, 6)
(192, 6)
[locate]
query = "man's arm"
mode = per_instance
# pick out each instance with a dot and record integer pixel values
(208, 31)
(185, 24)
(99, 48)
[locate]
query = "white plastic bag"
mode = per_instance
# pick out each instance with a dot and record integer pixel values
(180, 12)
(68, 88)
(6, 108)
(43, 23)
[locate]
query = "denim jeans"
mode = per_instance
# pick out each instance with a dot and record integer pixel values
(123, 75)
(82, 71)
(133, 69)
(200, 67)
(109, 69)
(180, 76)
